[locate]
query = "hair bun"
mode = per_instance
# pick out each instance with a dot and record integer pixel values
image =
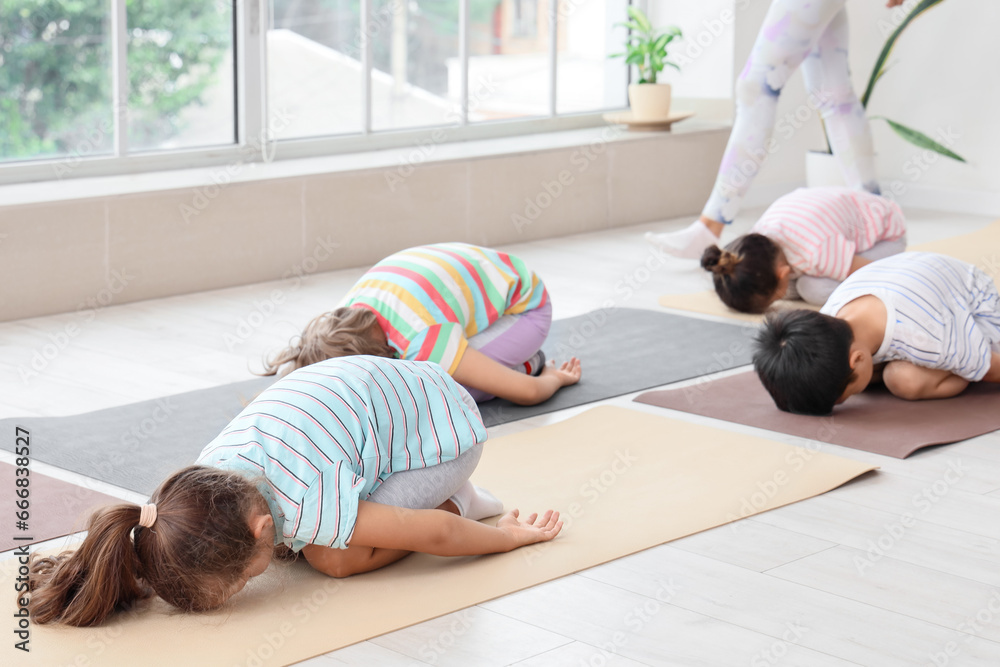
(710, 258)
(718, 261)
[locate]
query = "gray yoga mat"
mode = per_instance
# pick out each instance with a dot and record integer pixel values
(626, 349)
(623, 350)
(136, 446)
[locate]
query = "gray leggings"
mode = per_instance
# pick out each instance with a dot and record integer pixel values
(817, 290)
(426, 488)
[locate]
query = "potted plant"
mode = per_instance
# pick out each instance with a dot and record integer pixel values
(646, 48)
(822, 169)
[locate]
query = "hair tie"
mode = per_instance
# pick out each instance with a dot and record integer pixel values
(147, 515)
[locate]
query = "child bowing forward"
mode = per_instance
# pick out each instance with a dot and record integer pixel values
(480, 313)
(353, 462)
(927, 324)
(804, 245)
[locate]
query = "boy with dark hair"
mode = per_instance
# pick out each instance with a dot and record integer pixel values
(927, 324)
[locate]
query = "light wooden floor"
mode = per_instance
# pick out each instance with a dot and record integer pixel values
(835, 580)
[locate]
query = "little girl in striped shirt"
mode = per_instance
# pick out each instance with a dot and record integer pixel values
(805, 245)
(354, 463)
(480, 313)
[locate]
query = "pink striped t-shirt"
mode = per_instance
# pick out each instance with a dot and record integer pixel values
(820, 230)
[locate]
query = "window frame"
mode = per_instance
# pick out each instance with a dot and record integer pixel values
(253, 142)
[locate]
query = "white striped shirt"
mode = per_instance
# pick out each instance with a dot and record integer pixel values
(941, 312)
(325, 436)
(820, 230)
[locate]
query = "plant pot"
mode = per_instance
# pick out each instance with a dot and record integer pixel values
(823, 170)
(649, 101)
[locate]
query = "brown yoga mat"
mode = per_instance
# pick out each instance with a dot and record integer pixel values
(55, 508)
(625, 481)
(981, 248)
(873, 421)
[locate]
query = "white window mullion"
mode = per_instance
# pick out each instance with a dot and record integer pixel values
(251, 70)
(366, 67)
(553, 53)
(119, 75)
(463, 55)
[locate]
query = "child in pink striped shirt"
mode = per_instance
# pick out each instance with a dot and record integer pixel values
(804, 245)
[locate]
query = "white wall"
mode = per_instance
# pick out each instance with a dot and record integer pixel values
(945, 78)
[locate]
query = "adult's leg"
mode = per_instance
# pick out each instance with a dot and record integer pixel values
(828, 80)
(791, 30)
(512, 340)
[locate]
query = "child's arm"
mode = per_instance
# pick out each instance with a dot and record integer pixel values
(993, 374)
(857, 263)
(383, 534)
(914, 382)
(478, 371)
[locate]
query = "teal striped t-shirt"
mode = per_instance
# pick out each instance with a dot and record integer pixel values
(327, 435)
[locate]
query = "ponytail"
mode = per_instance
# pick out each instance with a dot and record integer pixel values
(84, 587)
(744, 272)
(197, 544)
(338, 333)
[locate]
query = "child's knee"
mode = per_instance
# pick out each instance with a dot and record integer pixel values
(904, 380)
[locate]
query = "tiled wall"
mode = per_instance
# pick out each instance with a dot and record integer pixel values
(63, 256)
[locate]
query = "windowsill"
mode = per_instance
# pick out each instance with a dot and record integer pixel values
(426, 152)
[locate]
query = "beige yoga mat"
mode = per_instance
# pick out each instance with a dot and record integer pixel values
(981, 248)
(624, 480)
(873, 421)
(55, 508)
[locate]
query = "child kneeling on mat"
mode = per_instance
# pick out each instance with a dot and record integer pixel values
(480, 313)
(805, 245)
(925, 324)
(322, 462)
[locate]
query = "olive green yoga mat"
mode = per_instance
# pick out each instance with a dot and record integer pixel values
(625, 481)
(54, 507)
(623, 350)
(981, 248)
(873, 421)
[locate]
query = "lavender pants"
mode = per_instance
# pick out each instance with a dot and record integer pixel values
(512, 340)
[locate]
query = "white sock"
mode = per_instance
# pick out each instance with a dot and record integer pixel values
(476, 503)
(688, 243)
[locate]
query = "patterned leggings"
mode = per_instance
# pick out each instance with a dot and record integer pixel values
(813, 34)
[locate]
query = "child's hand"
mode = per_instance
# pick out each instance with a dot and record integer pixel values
(531, 530)
(567, 374)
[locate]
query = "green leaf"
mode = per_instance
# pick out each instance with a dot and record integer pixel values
(639, 17)
(635, 58)
(879, 68)
(656, 63)
(672, 64)
(919, 139)
(661, 42)
(631, 25)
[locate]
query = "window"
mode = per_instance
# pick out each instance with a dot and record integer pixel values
(125, 85)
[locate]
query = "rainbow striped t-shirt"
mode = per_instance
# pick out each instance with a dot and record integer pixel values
(431, 299)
